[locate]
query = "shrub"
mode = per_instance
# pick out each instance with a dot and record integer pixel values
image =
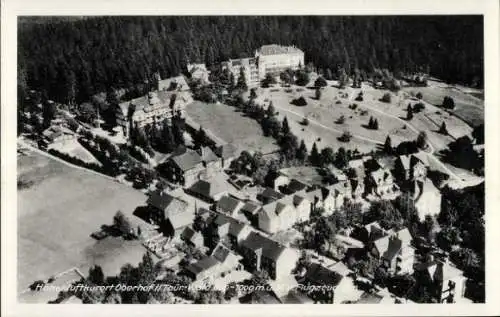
(305, 121)
(353, 106)
(301, 101)
(345, 137)
(386, 98)
(340, 120)
(359, 97)
(338, 102)
(320, 82)
(448, 103)
(419, 95)
(418, 107)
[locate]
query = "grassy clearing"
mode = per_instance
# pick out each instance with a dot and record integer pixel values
(467, 107)
(58, 213)
(231, 126)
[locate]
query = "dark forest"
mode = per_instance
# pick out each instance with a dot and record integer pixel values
(69, 60)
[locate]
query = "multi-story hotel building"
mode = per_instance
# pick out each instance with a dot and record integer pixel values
(269, 59)
(273, 59)
(250, 70)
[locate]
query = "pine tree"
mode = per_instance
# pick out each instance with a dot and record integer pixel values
(370, 123)
(318, 94)
(242, 81)
(443, 129)
(409, 114)
(270, 111)
(285, 129)
(302, 152)
(388, 145)
(375, 124)
(315, 158)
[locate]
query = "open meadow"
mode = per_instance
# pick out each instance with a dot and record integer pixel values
(231, 126)
(468, 107)
(59, 209)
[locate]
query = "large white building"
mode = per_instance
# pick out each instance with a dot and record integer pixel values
(273, 59)
(269, 59)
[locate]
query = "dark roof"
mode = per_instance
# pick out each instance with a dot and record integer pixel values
(187, 160)
(320, 275)
(274, 49)
(296, 297)
(270, 248)
(270, 193)
(202, 265)
(367, 298)
(228, 204)
(210, 187)
(221, 253)
(295, 186)
(251, 207)
(168, 203)
(263, 297)
(392, 249)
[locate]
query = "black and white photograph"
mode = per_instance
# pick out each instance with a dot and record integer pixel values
(250, 159)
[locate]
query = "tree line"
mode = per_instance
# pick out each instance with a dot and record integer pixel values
(70, 60)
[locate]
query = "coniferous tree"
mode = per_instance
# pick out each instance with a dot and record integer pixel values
(388, 145)
(443, 129)
(315, 158)
(242, 81)
(285, 129)
(409, 113)
(302, 152)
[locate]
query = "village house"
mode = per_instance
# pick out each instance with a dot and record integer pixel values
(380, 182)
(220, 262)
(251, 211)
(326, 286)
(445, 281)
(409, 168)
(269, 195)
(209, 189)
(227, 153)
(226, 229)
(284, 213)
(198, 71)
(395, 252)
(171, 213)
(274, 59)
(229, 205)
(191, 237)
(427, 199)
(189, 166)
(263, 254)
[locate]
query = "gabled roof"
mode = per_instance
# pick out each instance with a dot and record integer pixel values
(297, 297)
(270, 248)
(251, 207)
(180, 220)
(423, 157)
(404, 235)
(440, 271)
(270, 193)
(168, 203)
(187, 160)
(239, 230)
(320, 275)
(229, 204)
(208, 155)
(204, 264)
(224, 255)
(189, 234)
(295, 186)
(211, 187)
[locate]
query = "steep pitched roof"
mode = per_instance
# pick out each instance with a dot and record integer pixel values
(251, 207)
(440, 271)
(187, 160)
(208, 155)
(180, 220)
(189, 234)
(168, 203)
(202, 265)
(270, 193)
(211, 187)
(228, 204)
(270, 248)
(404, 235)
(320, 275)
